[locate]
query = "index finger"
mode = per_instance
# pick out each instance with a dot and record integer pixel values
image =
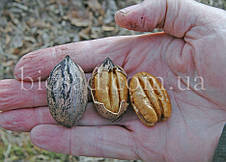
(38, 64)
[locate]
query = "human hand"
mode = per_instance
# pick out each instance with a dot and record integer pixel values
(192, 46)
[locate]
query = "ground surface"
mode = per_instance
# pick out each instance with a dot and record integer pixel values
(29, 25)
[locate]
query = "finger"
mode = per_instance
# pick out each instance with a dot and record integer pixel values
(16, 94)
(174, 16)
(25, 119)
(38, 64)
(102, 141)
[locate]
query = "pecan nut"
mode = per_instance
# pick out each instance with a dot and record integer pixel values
(67, 92)
(109, 90)
(149, 98)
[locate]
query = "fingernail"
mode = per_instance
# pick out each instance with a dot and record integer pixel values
(126, 10)
(123, 11)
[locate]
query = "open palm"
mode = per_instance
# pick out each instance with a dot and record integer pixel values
(189, 55)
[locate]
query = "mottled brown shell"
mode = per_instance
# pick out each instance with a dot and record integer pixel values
(67, 92)
(149, 98)
(111, 100)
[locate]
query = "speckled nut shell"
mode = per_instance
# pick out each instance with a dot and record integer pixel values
(67, 92)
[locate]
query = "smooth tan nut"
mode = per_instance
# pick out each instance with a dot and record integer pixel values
(149, 98)
(67, 92)
(109, 90)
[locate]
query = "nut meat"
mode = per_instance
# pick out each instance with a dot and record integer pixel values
(109, 90)
(149, 98)
(67, 92)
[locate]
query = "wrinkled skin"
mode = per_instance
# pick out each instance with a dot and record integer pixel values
(192, 44)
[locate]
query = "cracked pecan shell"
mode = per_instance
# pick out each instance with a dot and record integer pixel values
(109, 90)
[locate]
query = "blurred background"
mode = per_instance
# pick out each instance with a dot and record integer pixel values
(27, 25)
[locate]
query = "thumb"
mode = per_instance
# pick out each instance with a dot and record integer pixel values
(176, 17)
